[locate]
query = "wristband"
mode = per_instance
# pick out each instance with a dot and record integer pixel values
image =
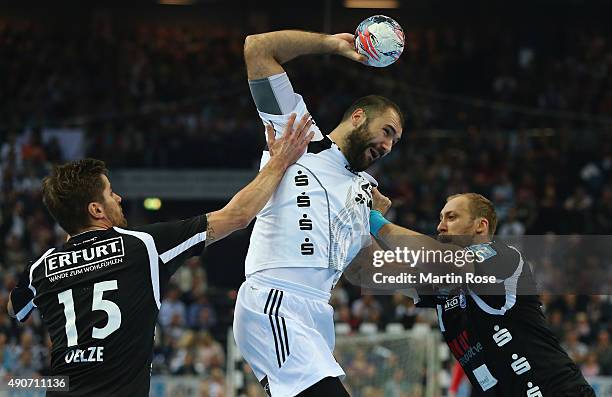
(377, 221)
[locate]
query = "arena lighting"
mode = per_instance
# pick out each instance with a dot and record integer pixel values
(371, 3)
(152, 204)
(176, 2)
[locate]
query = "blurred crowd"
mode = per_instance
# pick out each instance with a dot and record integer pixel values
(161, 95)
(174, 97)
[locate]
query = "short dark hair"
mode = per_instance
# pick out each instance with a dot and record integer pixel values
(373, 105)
(70, 188)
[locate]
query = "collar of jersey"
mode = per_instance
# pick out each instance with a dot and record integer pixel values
(83, 235)
(340, 158)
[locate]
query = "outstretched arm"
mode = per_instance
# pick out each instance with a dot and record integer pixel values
(396, 237)
(265, 53)
(245, 205)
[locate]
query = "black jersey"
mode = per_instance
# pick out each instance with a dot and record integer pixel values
(99, 296)
(500, 336)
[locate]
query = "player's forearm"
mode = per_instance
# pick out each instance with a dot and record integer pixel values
(250, 200)
(395, 237)
(265, 53)
(247, 203)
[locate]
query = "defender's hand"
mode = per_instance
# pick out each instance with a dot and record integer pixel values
(293, 143)
(380, 202)
(344, 44)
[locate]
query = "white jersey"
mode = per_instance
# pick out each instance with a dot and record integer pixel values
(319, 215)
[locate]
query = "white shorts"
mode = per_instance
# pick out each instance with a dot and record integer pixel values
(285, 331)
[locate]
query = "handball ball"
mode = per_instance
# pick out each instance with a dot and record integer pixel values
(380, 39)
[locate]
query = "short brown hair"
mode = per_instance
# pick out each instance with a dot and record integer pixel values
(373, 105)
(70, 188)
(480, 207)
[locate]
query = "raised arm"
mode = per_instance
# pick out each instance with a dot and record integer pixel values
(245, 205)
(265, 53)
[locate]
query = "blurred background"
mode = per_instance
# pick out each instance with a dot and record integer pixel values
(509, 99)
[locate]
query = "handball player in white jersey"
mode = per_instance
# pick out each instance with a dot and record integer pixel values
(312, 227)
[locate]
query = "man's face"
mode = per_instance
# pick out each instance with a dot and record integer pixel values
(456, 222)
(112, 205)
(372, 139)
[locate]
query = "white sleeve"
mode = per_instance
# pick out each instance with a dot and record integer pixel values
(276, 100)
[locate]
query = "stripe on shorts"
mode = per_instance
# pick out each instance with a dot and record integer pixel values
(280, 336)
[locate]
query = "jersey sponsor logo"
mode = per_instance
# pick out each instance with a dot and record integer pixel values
(307, 248)
(303, 200)
(305, 223)
(301, 179)
(104, 251)
(367, 188)
(463, 350)
(501, 336)
(451, 303)
(470, 354)
(457, 300)
(534, 391)
(520, 365)
(483, 251)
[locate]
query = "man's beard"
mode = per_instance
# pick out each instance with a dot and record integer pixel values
(357, 142)
(118, 219)
(460, 240)
(121, 222)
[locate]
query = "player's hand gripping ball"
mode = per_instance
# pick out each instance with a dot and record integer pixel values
(380, 39)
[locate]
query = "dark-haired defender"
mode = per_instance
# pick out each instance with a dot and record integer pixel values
(100, 293)
(313, 226)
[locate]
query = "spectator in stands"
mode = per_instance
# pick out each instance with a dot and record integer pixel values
(511, 226)
(172, 309)
(360, 370)
(590, 367)
(208, 351)
(25, 367)
(201, 314)
(395, 386)
(604, 352)
(217, 383)
(183, 362)
(578, 206)
(574, 348)
(191, 278)
(404, 310)
(366, 309)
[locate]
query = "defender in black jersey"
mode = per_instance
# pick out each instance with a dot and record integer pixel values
(496, 331)
(100, 293)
